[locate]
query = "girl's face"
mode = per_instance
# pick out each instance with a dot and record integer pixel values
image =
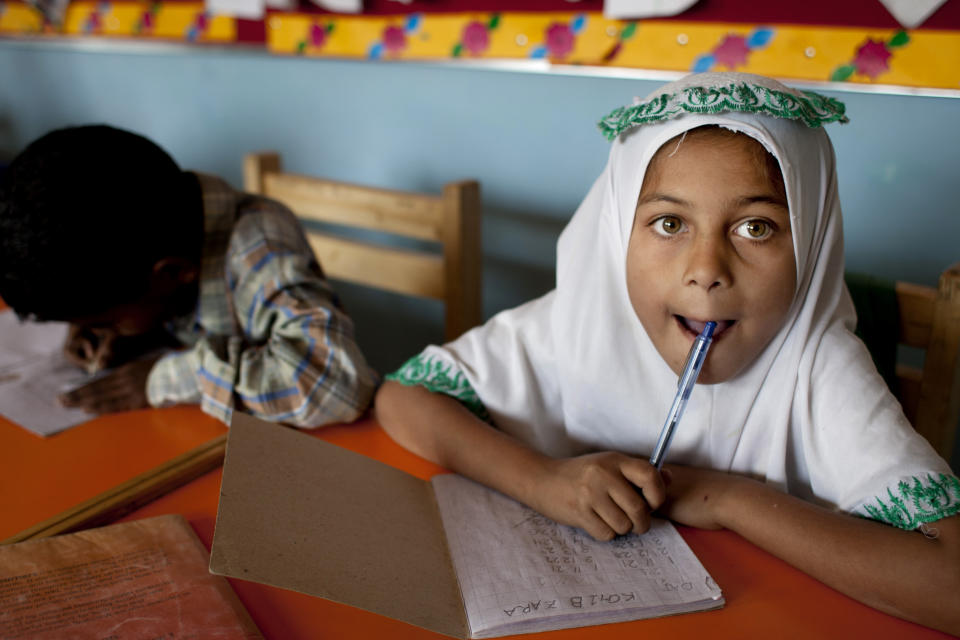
(711, 240)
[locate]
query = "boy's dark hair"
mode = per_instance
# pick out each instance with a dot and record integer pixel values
(85, 213)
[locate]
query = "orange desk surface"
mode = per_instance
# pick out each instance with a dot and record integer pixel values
(40, 477)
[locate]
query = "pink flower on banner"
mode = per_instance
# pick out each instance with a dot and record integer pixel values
(559, 40)
(872, 59)
(475, 38)
(199, 26)
(732, 51)
(318, 35)
(147, 20)
(394, 39)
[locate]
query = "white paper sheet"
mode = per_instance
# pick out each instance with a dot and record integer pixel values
(340, 6)
(634, 9)
(912, 13)
(33, 372)
(246, 9)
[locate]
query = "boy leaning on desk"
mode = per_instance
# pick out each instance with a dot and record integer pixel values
(185, 289)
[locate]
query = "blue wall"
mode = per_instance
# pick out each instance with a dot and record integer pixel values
(529, 138)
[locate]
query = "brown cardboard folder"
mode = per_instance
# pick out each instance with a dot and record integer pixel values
(299, 513)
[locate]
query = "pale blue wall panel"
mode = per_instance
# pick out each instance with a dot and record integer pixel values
(530, 139)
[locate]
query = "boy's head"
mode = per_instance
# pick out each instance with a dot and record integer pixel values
(711, 240)
(98, 226)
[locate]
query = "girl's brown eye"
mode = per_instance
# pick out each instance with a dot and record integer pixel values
(754, 229)
(668, 225)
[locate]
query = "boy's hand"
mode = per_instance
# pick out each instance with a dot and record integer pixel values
(604, 494)
(123, 389)
(90, 349)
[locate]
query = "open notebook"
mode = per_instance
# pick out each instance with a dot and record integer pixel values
(448, 555)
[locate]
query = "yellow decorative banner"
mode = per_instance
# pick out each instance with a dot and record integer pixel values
(921, 58)
(183, 21)
(20, 19)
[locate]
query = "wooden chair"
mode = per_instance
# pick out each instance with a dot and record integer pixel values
(930, 320)
(452, 220)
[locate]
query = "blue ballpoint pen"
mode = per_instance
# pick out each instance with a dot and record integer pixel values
(688, 377)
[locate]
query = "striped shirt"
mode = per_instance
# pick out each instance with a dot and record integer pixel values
(268, 335)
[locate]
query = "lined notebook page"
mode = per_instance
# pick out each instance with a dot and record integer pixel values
(522, 572)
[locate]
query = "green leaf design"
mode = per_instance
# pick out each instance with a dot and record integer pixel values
(494, 21)
(925, 500)
(899, 39)
(842, 73)
(627, 32)
(457, 50)
(301, 46)
(329, 28)
(439, 377)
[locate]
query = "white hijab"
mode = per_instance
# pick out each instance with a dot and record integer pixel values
(575, 371)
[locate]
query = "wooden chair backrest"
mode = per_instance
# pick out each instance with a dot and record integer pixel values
(451, 219)
(930, 320)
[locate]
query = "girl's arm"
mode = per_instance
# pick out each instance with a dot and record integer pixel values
(596, 492)
(903, 573)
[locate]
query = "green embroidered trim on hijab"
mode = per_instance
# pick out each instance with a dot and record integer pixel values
(813, 109)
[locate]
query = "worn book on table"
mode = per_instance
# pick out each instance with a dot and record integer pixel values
(448, 555)
(141, 579)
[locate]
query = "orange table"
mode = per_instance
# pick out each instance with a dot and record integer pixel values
(41, 477)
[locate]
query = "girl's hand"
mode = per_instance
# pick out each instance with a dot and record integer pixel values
(694, 495)
(604, 494)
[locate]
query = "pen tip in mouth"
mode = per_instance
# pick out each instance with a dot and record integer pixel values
(696, 327)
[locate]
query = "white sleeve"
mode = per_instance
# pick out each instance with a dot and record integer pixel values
(862, 453)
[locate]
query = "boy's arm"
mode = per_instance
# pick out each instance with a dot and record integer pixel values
(292, 357)
(903, 573)
(297, 362)
(596, 492)
(308, 370)
(124, 386)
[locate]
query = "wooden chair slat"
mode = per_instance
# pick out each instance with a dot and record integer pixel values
(407, 214)
(451, 219)
(407, 272)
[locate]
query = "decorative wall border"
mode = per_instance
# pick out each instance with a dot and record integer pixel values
(174, 21)
(919, 59)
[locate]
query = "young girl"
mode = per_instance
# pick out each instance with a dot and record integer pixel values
(719, 202)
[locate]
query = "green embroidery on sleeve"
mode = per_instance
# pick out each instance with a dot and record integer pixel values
(435, 375)
(919, 502)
